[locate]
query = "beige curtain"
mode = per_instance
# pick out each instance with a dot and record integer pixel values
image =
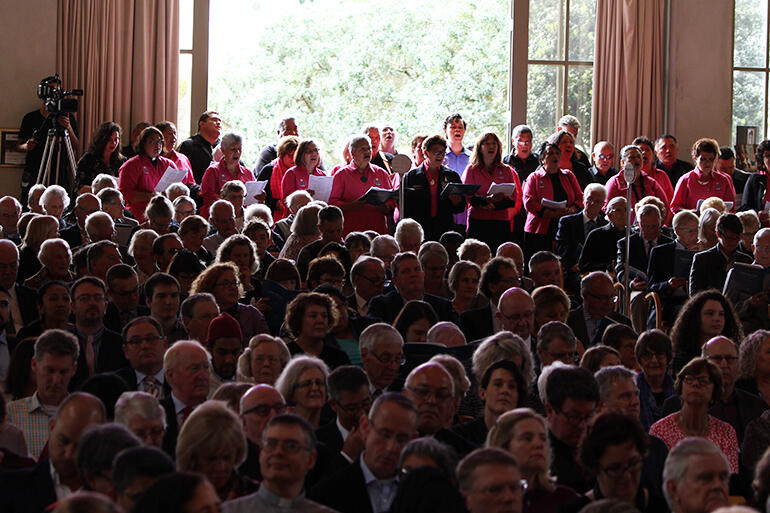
(628, 70)
(125, 55)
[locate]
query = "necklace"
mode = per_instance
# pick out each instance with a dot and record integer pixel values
(364, 178)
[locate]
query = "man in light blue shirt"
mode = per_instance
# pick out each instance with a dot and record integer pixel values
(457, 155)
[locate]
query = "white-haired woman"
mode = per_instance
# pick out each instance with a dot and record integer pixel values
(304, 230)
(40, 229)
(56, 258)
(54, 201)
(141, 251)
(221, 172)
(263, 361)
(303, 385)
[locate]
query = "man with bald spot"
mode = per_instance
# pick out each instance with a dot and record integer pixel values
(431, 389)
(55, 476)
(737, 406)
(516, 311)
(85, 205)
(259, 404)
(513, 251)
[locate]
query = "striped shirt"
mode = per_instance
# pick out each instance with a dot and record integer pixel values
(34, 420)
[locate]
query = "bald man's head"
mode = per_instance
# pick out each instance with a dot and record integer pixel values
(513, 251)
(259, 404)
(77, 412)
(431, 389)
(517, 312)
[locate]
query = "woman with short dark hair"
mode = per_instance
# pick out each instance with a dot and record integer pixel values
(310, 318)
(699, 385)
(103, 156)
(653, 352)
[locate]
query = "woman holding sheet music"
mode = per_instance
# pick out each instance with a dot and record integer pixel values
(490, 214)
(549, 194)
(356, 179)
(308, 161)
(219, 173)
(424, 198)
(142, 172)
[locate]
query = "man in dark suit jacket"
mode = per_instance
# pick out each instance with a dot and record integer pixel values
(573, 230)
(642, 242)
(32, 490)
(498, 275)
(144, 347)
(392, 422)
(106, 346)
(709, 268)
(601, 245)
(661, 270)
(75, 235)
(409, 281)
(123, 294)
(589, 320)
(350, 397)
(188, 388)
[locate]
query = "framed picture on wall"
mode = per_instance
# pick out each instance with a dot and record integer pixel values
(9, 155)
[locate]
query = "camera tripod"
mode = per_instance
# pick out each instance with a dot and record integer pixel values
(57, 142)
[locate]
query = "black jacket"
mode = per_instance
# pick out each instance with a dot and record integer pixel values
(387, 306)
(330, 435)
(600, 249)
(709, 268)
(637, 255)
(417, 201)
(570, 237)
(199, 151)
(128, 375)
(110, 358)
(577, 322)
(344, 491)
(27, 491)
(172, 428)
(754, 193)
(478, 323)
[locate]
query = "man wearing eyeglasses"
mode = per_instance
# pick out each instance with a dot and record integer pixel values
(603, 156)
(288, 453)
(101, 349)
(258, 406)
(589, 320)
(431, 388)
(572, 396)
(144, 346)
(222, 218)
(76, 235)
(737, 407)
(490, 482)
(368, 278)
(350, 397)
(382, 355)
(369, 484)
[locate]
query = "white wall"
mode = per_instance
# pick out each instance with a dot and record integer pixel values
(700, 72)
(28, 47)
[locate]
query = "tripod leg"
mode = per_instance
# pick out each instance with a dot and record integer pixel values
(70, 157)
(47, 175)
(44, 160)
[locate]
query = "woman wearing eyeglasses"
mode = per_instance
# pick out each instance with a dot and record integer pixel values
(310, 318)
(139, 175)
(303, 385)
(699, 384)
(613, 450)
(523, 433)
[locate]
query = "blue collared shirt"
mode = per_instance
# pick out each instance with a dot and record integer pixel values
(381, 491)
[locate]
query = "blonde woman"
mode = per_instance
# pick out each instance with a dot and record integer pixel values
(39, 230)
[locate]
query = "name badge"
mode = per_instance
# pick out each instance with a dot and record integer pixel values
(718, 186)
(376, 181)
(540, 184)
(301, 182)
(146, 170)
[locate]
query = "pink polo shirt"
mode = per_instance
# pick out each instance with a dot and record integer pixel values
(478, 175)
(297, 179)
(180, 160)
(215, 177)
(138, 174)
(693, 186)
(348, 186)
(664, 181)
(646, 186)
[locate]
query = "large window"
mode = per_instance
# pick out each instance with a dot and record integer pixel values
(750, 66)
(337, 64)
(560, 65)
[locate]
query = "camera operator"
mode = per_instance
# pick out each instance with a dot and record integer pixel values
(33, 131)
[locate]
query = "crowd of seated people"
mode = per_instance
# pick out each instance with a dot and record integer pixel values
(457, 347)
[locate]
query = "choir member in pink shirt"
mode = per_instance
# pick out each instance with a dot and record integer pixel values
(353, 181)
(180, 160)
(648, 168)
(643, 185)
(308, 161)
(489, 215)
(704, 181)
(140, 174)
(221, 172)
(548, 182)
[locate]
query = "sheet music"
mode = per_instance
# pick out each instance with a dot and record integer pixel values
(170, 176)
(253, 188)
(321, 186)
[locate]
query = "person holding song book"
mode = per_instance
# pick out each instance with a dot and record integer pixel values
(490, 213)
(747, 286)
(427, 191)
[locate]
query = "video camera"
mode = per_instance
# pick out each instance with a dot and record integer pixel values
(56, 101)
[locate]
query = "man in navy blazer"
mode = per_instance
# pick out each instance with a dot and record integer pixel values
(144, 347)
(642, 241)
(600, 247)
(33, 490)
(574, 228)
(709, 268)
(409, 281)
(660, 271)
(369, 483)
(418, 185)
(589, 320)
